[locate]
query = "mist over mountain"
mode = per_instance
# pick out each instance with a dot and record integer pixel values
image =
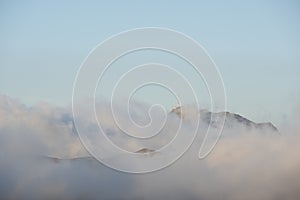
(41, 157)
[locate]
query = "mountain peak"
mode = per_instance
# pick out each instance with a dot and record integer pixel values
(231, 119)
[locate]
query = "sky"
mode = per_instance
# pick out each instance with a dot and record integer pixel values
(255, 45)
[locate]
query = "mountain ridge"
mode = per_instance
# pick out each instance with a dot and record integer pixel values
(212, 118)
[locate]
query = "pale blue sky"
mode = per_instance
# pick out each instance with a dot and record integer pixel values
(255, 44)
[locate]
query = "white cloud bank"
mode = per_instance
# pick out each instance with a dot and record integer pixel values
(242, 166)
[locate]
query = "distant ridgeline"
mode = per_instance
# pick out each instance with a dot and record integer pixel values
(232, 120)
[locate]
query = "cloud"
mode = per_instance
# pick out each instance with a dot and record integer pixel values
(244, 165)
